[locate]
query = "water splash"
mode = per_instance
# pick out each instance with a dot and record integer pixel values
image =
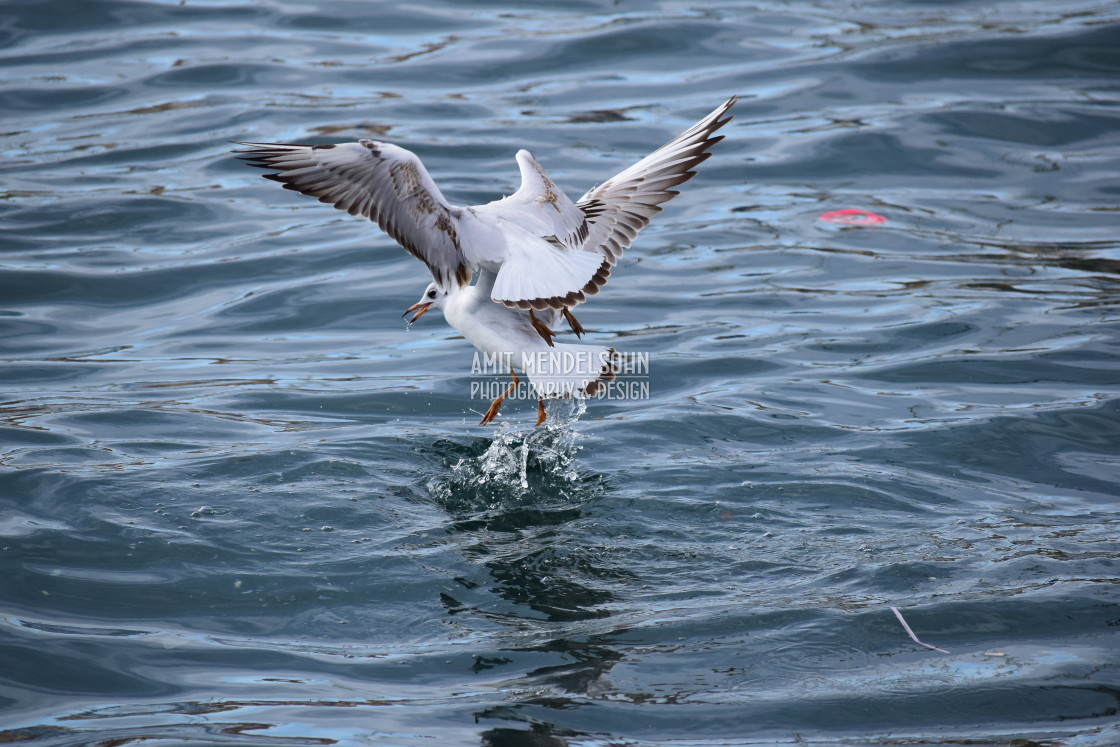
(514, 464)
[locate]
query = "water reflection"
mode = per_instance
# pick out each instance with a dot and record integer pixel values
(541, 735)
(516, 503)
(556, 687)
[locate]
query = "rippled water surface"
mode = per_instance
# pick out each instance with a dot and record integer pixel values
(242, 504)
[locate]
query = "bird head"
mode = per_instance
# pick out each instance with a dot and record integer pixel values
(433, 297)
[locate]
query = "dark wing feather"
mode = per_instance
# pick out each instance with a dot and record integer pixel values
(620, 207)
(385, 183)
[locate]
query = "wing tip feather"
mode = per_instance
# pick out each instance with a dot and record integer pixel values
(645, 185)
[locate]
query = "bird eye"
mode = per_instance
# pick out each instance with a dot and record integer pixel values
(432, 293)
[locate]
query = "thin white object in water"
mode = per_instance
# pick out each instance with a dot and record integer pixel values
(909, 632)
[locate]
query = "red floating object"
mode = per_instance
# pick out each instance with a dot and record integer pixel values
(852, 217)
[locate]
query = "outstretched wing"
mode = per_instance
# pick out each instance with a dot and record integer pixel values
(539, 207)
(385, 183)
(585, 239)
(544, 265)
(620, 207)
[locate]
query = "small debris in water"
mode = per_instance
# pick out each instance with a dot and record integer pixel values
(852, 217)
(909, 632)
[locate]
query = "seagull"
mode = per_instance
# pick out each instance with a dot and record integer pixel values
(510, 340)
(495, 266)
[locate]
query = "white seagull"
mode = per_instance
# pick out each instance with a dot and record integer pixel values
(534, 251)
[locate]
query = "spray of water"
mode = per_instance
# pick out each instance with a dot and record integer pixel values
(516, 463)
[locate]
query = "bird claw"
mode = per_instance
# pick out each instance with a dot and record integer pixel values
(492, 412)
(573, 323)
(542, 329)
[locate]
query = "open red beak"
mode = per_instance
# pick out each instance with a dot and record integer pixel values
(423, 309)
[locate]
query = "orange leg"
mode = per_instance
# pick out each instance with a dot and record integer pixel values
(573, 323)
(542, 329)
(540, 412)
(493, 411)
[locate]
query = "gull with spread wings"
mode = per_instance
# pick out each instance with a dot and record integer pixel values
(534, 251)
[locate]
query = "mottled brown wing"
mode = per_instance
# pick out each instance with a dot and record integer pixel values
(385, 183)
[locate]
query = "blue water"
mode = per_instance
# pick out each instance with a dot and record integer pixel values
(241, 504)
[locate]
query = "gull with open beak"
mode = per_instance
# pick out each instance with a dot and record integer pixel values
(509, 338)
(423, 306)
(534, 256)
